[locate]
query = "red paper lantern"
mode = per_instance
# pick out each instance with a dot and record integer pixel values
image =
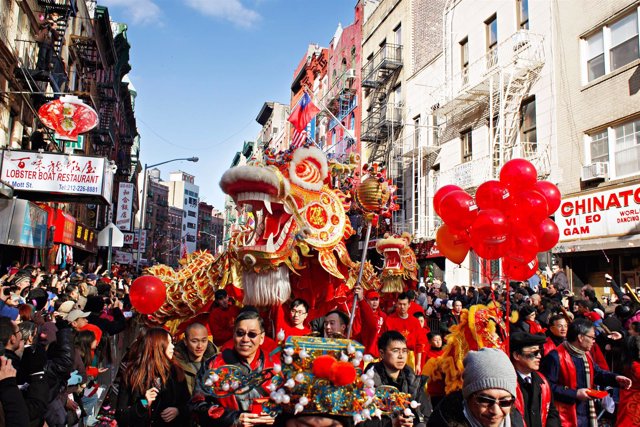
(518, 175)
(453, 244)
(547, 234)
(147, 294)
(493, 195)
(458, 210)
(441, 193)
(551, 193)
(68, 116)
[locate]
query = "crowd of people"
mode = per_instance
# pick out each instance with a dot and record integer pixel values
(571, 359)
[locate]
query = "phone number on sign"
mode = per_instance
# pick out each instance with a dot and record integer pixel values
(78, 188)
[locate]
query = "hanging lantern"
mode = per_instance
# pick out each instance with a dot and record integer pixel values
(68, 116)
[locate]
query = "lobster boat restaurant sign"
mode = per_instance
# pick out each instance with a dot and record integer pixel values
(47, 176)
(613, 212)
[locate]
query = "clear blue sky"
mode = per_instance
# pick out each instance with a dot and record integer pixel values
(203, 69)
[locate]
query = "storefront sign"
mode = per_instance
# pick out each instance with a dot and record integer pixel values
(613, 212)
(70, 146)
(22, 223)
(122, 257)
(125, 205)
(53, 173)
(68, 116)
(63, 223)
(86, 238)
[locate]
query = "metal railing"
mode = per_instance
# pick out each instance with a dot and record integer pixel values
(388, 57)
(521, 50)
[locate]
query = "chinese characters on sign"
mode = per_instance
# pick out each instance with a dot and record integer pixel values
(53, 173)
(125, 205)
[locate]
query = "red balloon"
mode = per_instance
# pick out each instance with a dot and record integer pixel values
(548, 235)
(441, 193)
(518, 175)
(515, 270)
(453, 244)
(523, 245)
(489, 234)
(493, 195)
(531, 206)
(147, 294)
(551, 193)
(458, 209)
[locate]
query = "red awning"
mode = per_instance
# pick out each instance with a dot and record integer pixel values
(65, 225)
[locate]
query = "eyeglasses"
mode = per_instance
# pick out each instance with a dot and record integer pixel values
(490, 401)
(251, 334)
(298, 313)
(593, 337)
(532, 355)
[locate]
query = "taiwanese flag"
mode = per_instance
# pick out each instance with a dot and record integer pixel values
(302, 113)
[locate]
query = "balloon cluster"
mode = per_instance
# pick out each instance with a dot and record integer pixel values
(508, 219)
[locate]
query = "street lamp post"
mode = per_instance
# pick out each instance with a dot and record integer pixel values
(144, 198)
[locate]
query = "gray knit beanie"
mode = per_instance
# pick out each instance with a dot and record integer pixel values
(488, 368)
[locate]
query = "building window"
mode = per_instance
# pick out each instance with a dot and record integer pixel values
(627, 148)
(416, 132)
(624, 41)
(619, 39)
(523, 14)
(599, 147)
(528, 136)
(191, 214)
(467, 146)
(397, 35)
(464, 60)
(595, 56)
(492, 41)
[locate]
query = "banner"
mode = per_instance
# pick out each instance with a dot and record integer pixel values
(125, 205)
(614, 212)
(53, 173)
(123, 257)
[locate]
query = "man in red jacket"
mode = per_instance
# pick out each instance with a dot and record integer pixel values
(409, 327)
(246, 355)
(221, 318)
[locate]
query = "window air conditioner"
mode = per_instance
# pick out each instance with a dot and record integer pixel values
(350, 74)
(594, 171)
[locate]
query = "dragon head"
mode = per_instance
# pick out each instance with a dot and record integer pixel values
(400, 263)
(295, 212)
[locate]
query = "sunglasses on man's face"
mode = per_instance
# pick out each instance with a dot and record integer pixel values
(532, 355)
(490, 401)
(251, 334)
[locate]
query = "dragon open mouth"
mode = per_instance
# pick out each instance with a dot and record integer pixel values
(392, 259)
(263, 192)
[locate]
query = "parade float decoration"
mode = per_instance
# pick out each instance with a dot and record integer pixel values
(400, 269)
(317, 376)
(508, 219)
(295, 245)
(480, 326)
(68, 116)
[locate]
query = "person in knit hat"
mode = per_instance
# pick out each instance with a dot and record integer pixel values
(488, 393)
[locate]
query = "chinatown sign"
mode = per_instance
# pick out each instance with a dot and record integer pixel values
(28, 171)
(614, 212)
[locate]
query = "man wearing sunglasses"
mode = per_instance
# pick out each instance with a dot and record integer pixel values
(488, 393)
(534, 399)
(235, 410)
(573, 374)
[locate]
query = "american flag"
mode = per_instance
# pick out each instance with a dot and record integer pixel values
(299, 138)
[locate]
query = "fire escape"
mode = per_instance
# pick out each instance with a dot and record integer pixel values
(341, 100)
(383, 124)
(499, 81)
